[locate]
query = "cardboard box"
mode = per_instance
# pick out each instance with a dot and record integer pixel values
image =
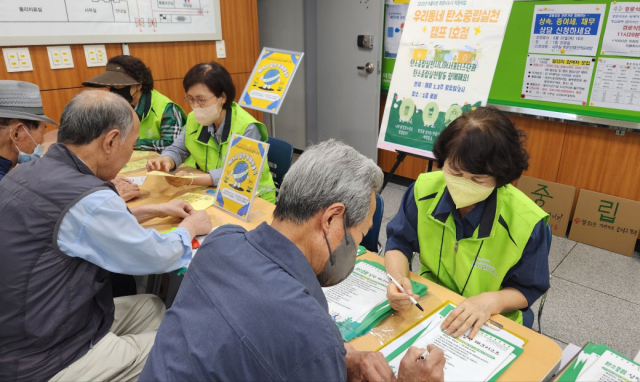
(606, 221)
(554, 198)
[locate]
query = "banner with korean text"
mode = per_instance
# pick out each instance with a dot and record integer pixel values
(444, 67)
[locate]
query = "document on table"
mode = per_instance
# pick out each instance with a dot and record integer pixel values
(599, 363)
(197, 201)
(135, 165)
(482, 359)
(140, 154)
(137, 180)
(196, 242)
(160, 173)
(360, 302)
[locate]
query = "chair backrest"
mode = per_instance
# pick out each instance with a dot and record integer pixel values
(370, 241)
(280, 157)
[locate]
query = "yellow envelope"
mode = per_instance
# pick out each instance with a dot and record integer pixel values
(199, 202)
(160, 173)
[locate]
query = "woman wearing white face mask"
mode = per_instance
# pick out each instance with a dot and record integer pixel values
(22, 124)
(475, 233)
(215, 117)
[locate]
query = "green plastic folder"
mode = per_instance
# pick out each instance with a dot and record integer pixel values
(352, 329)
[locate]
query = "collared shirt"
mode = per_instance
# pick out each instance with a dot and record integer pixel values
(100, 230)
(263, 322)
(170, 126)
(530, 276)
(5, 166)
(179, 152)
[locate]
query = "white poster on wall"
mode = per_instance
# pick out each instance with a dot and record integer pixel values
(445, 65)
(558, 78)
(622, 35)
(572, 29)
(617, 84)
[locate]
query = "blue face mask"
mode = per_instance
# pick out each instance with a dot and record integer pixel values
(37, 152)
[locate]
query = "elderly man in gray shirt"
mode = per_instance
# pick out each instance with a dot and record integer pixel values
(251, 306)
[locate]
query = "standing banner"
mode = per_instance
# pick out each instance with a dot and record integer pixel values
(445, 65)
(240, 175)
(394, 15)
(270, 80)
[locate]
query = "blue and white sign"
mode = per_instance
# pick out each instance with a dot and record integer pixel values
(570, 29)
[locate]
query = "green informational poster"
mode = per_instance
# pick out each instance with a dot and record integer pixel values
(444, 67)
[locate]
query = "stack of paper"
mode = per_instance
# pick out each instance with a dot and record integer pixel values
(600, 363)
(484, 358)
(360, 302)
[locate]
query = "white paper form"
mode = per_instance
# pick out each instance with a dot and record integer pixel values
(610, 367)
(352, 299)
(479, 359)
(622, 35)
(561, 79)
(617, 84)
(572, 29)
(137, 180)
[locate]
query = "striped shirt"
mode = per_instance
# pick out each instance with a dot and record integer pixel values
(170, 126)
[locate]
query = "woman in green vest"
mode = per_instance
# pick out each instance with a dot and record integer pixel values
(161, 119)
(475, 233)
(204, 141)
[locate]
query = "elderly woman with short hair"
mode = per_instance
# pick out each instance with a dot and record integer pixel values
(475, 233)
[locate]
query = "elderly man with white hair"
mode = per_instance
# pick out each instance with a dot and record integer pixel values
(64, 228)
(251, 306)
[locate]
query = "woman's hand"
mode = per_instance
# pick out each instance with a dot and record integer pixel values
(472, 312)
(179, 182)
(397, 299)
(164, 163)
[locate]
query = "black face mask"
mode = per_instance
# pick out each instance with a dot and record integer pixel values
(124, 92)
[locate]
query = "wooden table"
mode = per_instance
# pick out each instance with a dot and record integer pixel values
(155, 189)
(539, 360)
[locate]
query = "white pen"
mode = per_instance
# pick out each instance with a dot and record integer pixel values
(403, 291)
(424, 355)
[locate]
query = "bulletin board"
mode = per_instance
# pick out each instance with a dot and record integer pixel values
(507, 88)
(53, 22)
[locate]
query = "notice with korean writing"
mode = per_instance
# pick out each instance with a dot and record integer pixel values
(617, 84)
(558, 78)
(611, 367)
(566, 29)
(622, 35)
(360, 302)
(482, 359)
(444, 67)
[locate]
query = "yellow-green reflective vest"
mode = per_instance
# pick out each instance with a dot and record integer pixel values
(210, 156)
(495, 247)
(150, 125)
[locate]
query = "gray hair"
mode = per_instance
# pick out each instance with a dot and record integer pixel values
(91, 113)
(329, 172)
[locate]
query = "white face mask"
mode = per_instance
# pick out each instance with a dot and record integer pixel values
(465, 192)
(207, 115)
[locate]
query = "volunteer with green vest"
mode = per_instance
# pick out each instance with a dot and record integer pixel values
(204, 141)
(161, 119)
(475, 233)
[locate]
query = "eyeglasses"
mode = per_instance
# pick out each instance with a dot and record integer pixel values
(200, 101)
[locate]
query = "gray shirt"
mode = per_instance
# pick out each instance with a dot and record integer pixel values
(179, 152)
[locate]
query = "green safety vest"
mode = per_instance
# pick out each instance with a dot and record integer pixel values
(210, 156)
(498, 241)
(150, 125)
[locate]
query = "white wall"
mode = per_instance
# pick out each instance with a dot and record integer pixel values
(281, 25)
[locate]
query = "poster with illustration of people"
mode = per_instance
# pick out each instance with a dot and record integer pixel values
(444, 67)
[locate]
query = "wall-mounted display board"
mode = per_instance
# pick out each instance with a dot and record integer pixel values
(44, 22)
(571, 60)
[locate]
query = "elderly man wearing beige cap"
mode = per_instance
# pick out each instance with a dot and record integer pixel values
(22, 124)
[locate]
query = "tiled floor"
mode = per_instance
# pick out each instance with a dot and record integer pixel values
(594, 295)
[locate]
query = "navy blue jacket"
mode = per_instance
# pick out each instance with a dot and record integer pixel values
(250, 308)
